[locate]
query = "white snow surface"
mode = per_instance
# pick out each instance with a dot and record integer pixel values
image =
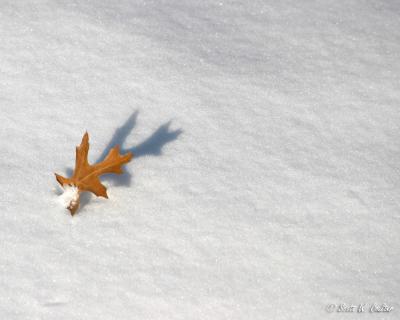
(265, 182)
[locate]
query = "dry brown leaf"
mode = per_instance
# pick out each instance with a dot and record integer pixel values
(86, 176)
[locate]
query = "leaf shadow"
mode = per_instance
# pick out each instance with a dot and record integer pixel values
(85, 199)
(151, 146)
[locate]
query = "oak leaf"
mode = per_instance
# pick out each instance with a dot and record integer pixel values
(86, 176)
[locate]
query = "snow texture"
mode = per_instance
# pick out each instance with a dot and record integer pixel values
(265, 182)
(70, 196)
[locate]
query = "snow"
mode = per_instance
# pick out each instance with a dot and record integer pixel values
(69, 196)
(265, 182)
